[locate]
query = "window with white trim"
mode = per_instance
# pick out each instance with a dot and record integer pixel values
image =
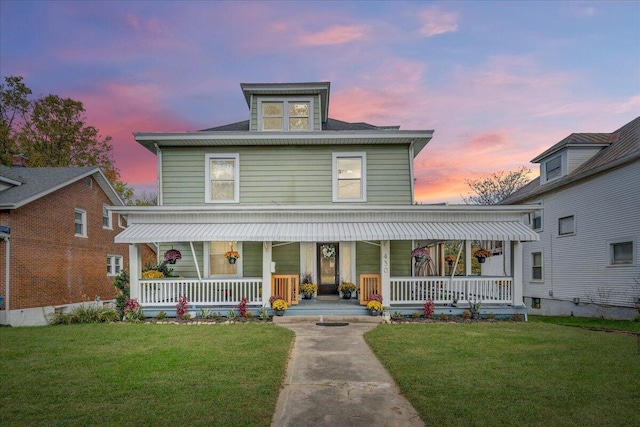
(536, 267)
(114, 265)
(106, 218)
(290, 115)
(80, 223)
(552, 168)
(535, 219)
(223, 178)
(219, 264)
(349, 177)
(567, 225)
(621, 253)
(122, 221)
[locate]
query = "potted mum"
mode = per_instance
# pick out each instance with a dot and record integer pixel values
(172, 255)
(347, 288)
(481, 254)
(279, 306)
(232, 256)
(308, 290)
(374, 307)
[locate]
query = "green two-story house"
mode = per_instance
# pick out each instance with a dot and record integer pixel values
(296, 193)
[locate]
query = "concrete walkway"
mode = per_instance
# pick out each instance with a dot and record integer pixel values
(333, 379)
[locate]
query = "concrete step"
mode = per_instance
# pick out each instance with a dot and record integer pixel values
(327, 319)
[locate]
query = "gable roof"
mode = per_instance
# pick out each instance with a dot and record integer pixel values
(29, 184)
(621, 146)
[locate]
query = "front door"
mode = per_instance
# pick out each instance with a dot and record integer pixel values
(329, 274)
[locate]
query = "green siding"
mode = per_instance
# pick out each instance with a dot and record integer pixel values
(297, 175)
(287, 258)
(367, 259)
(400, 258)
(185, 267)
(252, 259)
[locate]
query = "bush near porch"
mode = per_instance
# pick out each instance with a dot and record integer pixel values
(512, 373)
(124, 374)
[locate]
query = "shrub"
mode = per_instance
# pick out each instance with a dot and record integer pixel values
(443, 316)
(231, 314)
(466, 314)
(121, 283)
(518, 317)
(248, 315)
(206, 313)
(84, 314)
(242, 307)
(415, 315)
(133, 311)
(186, 316)
(428, 309)
(161, 315)
(181, 308)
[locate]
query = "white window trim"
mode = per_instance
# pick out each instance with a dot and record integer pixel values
(563, 168)
(207, 265)
(111, 261)
(541, 280)
(334, 175)
(120, 221)
(109, 226)
(84, 222)
(531, 220)
(634, 252)
(236, 177)
(575, 225)
(285, 112)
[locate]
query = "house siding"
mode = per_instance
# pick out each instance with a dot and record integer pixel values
(287, 258)
(295, 175)
(367, 258)
(50, 266)
(400, 254)
(577, 156)
(606, 209)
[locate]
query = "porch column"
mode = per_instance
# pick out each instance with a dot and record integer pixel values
(266, 273)
(516, 273)
(385, 271)
(134, 271)
(467, 257)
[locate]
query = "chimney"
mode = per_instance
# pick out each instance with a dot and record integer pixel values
(20, 161)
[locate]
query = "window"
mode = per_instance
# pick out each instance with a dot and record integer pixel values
(535, 219)
(536, 266)
(114, 265)
(219, 265)
(122, 221)
(535, 303)
(553, 168)
(286, 115)
(80, 223)
(222, 178)
(349, 177)
(621, 253)
(106, 217)
(566, 225)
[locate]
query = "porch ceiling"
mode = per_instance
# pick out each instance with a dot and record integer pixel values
(322, 232)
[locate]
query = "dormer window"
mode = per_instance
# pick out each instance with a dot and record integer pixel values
(288, 115)
(552, 168)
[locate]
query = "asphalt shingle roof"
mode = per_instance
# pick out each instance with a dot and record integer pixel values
(329, 125)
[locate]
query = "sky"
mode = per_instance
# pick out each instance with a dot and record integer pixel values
(498, 82)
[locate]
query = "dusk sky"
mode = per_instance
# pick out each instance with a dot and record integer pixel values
(498, 82)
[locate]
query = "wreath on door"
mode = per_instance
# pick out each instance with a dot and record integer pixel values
(328, 251)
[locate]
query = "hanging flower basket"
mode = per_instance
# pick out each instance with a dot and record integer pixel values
(232, 256)
(481, 255)
(172, 255)
(420, 253)
(450, 259)
(328, 251)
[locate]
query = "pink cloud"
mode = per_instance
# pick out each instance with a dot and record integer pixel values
(436, 21)
(338, 34)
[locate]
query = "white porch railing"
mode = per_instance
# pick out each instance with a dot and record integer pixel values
(166, 292)
(442, 290)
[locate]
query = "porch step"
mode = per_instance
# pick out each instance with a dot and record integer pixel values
(280, 320)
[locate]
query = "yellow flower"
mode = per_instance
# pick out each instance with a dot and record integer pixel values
(279, 304)
(308, 288)
(374, 305)
(152, 274)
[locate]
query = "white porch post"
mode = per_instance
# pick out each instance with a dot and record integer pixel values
(516, 272)
(266, 273)
(385, 271)
(134, 270)
(467, 257)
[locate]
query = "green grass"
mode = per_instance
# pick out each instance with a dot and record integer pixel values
(140, 374)
(590, 323)
(507, 373)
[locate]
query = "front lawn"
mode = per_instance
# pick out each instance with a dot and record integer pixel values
(508, 373)
(140, 374)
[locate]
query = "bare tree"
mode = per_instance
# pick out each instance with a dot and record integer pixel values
(495, 188)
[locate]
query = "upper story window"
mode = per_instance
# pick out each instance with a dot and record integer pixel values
(80, 223)
(285, 115)
(114, 265)
(535, 219)
(552, 169)
(106, 217)
(349, 177)
(621, 253)
(223, 178)
(567, 225)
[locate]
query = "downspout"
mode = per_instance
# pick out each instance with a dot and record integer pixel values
(159, 167)
(412, 179)
(7, 279)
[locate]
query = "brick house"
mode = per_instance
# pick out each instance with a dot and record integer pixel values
(59, 239)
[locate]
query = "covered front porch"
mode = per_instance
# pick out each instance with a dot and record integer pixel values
(370, 248)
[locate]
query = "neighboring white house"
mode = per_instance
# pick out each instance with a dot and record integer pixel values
(586, 262)
(296, 192)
